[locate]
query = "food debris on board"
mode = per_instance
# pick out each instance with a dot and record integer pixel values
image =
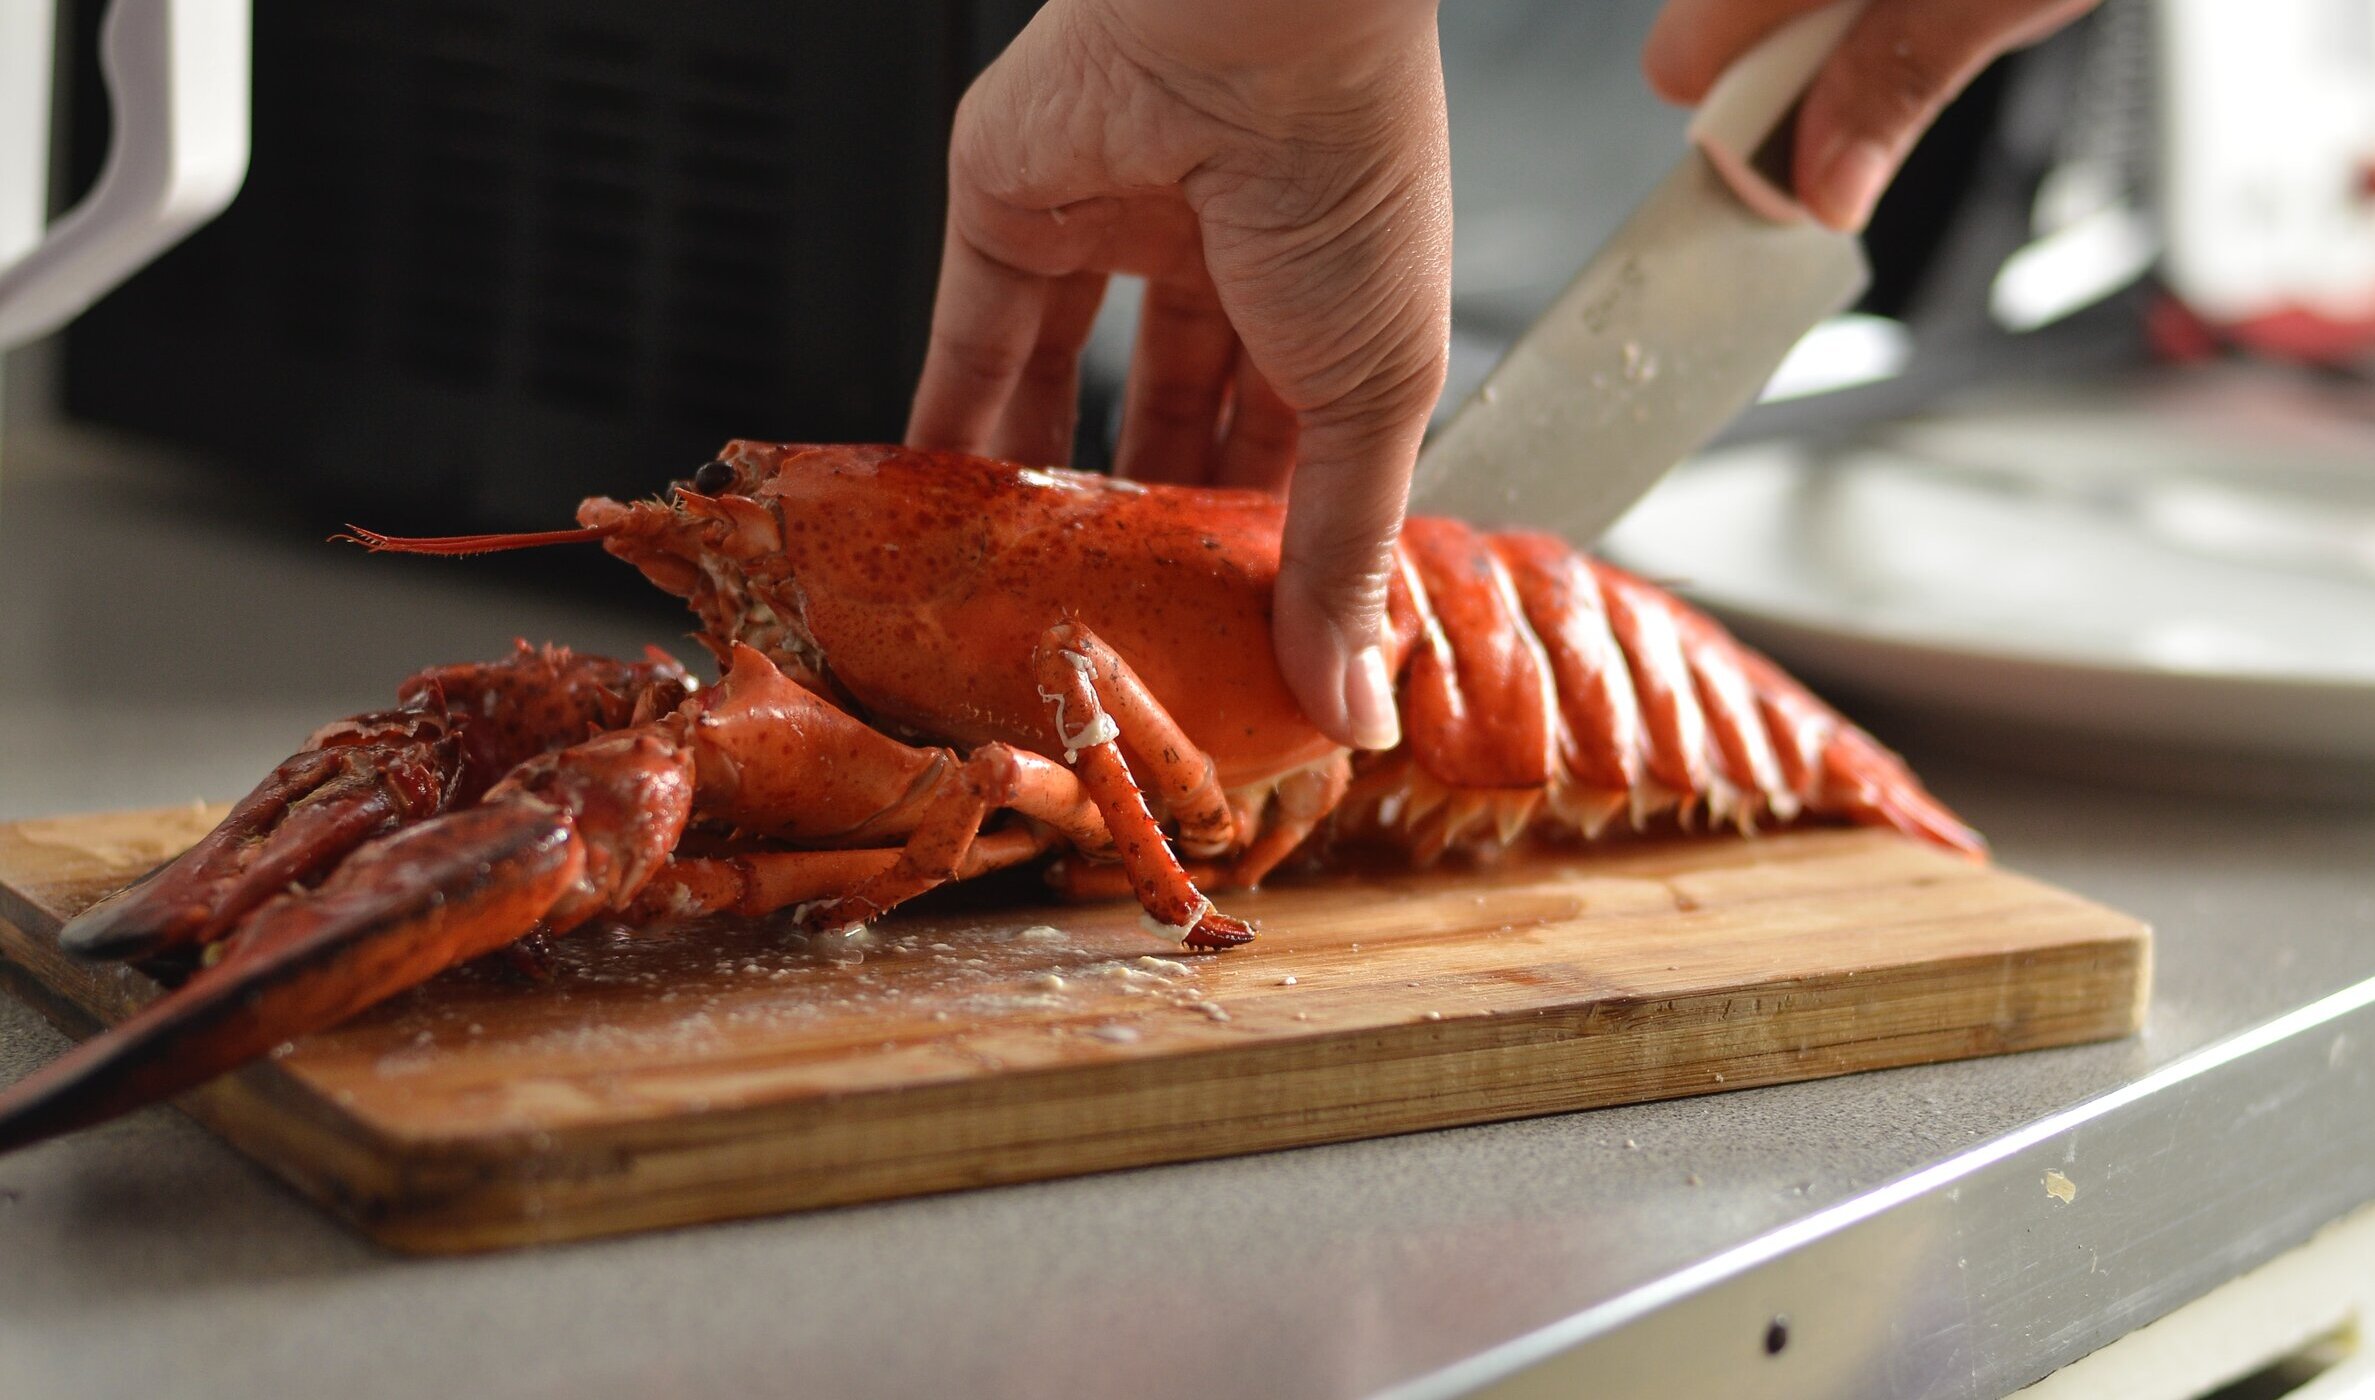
(645, 995)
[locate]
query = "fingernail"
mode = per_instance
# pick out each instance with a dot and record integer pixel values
(1369, 701)
(1848, 182)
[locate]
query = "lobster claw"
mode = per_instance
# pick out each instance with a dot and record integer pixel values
(454, 733)
(398, 911)
(312, 810)
(562, 837)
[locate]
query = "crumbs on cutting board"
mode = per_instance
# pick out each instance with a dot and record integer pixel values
(618, 992)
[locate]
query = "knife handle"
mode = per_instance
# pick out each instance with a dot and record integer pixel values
(1748, 124)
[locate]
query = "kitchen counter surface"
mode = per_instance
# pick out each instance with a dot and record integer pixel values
(163, 639)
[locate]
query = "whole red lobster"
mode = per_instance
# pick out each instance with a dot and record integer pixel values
(936, 666)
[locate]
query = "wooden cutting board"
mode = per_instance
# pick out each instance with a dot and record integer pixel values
(653, 1079)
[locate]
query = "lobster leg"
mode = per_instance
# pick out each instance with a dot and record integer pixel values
(761, 882)
(946, 843)
(995, 776)
(1185, 778)
(1304, 801)
(779, 762)
(1078, 675)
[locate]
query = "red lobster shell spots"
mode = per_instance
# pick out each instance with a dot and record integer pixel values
(935, 666)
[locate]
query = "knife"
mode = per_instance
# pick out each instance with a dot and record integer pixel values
(1672, 327)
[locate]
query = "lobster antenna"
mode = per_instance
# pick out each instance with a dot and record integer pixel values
(378, 543)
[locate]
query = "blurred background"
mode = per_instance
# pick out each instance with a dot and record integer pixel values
(2095, 459)
(493, 254)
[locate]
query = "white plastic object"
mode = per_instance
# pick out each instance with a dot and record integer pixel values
(25, 48)
(1751, 99)
(2267, 174)
(177, 81)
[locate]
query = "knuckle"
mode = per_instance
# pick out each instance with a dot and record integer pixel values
(1395, 386)
(1914, 84)
(1368, 358)
(1352, 539)
(1358, 326)
(1016, 240)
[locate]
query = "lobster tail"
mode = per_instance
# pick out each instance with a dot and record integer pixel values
(1546, 686)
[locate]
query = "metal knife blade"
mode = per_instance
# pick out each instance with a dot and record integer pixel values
(1666, 334)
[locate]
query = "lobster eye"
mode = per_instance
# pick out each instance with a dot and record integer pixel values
(713, 478)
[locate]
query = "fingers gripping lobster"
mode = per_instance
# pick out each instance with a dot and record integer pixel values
(934, 666)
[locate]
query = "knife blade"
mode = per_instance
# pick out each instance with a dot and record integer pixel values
(1672, 327)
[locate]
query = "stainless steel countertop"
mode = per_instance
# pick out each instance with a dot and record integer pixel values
(153, 649)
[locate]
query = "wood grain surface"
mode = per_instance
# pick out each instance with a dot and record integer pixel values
(655, 1077)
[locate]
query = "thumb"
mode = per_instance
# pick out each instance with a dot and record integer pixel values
(1344, 514)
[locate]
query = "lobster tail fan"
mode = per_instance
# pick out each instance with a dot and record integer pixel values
(1869, 784)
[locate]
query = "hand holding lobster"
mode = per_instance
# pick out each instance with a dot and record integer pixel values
(1278, 174)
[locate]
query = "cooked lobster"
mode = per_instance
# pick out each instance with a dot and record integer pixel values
(934, 666)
